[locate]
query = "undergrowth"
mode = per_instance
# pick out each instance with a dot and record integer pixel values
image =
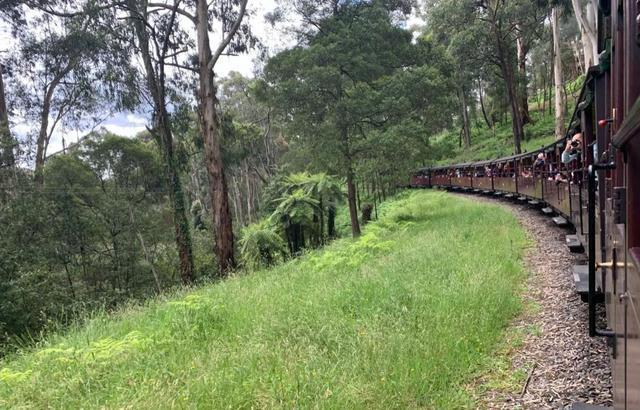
(405, 316)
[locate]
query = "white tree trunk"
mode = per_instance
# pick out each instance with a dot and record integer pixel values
(582, 62)
(587, 31)
(557, 75)
(592, 23)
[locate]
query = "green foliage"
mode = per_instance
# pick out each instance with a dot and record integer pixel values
(359, 95)
(261, 245)
(380, 329)
(76, 243)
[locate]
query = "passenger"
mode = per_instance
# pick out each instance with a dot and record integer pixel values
(572, 149)
(560, 179)
(540, 161)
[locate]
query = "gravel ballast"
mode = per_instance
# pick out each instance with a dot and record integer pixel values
(563, 364)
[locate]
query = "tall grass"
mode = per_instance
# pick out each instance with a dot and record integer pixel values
(402, 317)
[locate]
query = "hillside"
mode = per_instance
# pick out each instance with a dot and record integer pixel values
(488, 144)
(372, 323)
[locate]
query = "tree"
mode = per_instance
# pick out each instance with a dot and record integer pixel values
(492, 25)
(357, 73)
(560, 97)
(236, 38)
(209, 121)
(68, 68)
(7, 143)
(163, 35)
(588, 30)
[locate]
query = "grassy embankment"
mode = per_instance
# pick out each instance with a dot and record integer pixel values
(406, 316)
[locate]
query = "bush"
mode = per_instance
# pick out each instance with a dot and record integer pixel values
(261, 246)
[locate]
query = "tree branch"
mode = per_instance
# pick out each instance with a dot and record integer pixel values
(225, 42)
(173, 8)
(184, 67)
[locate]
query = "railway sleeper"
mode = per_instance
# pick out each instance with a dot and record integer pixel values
(574, 243)
(560, 221)
(581, 282)
(547, 211)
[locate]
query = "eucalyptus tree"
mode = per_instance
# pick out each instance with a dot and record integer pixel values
(586, 13)
(225, 17)
(502, 32)
(255, 139)
(558, 78)
(67, 68)
(456, 31)
(159, 40)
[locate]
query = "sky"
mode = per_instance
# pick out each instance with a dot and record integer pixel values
(129, 124)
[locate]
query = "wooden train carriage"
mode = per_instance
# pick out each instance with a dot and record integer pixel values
(618, 169)
(421, 178)
(440, 177)
(504, 175)
(529, 182)
(600, 192)
(462, 175)
(556, 181)
(482, 176)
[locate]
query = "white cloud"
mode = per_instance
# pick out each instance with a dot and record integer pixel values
(134, 119)
(124, 130)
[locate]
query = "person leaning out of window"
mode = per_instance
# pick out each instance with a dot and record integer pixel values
(572, 149)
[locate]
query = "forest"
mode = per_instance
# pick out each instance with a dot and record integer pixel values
(234, 173)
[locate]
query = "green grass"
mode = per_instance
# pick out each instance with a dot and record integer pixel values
(404, 317)
(487, 145)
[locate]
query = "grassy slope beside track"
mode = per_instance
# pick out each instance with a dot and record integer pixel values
(404, 317)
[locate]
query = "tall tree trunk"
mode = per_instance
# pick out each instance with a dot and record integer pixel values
(331, 221)
(321, 220)
(550, 78)
(588, 32)
(210, 128)
(557, 75)
(351, 185)
(7, 144)
(464, 118)
(512, 90)
(249, 193)
(581, 63)
(592, 29)
(523, 50)
(44, 134)
(484, 111)
(162, 125)
(544, 92)
(147, 257)
(353, 209)
(42, 140)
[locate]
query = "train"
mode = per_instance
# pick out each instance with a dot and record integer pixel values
(590, 181)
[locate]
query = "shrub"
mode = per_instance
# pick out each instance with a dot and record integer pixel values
(261, 246)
